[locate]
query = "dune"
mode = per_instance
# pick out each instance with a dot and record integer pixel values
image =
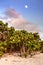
(16, 60)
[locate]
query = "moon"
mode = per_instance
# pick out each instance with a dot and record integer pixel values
(26, 6)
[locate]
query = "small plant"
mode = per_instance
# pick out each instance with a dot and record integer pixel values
(41, 46)
(25, 54)
(1, 53)
(41, 49)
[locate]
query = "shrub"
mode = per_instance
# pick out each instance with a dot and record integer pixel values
(1, 53)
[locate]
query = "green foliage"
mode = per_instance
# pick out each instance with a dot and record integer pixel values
(25, 55)
(22, 41)
(41, 46)
(1, 53)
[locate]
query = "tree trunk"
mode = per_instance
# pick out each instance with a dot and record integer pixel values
(22, 50)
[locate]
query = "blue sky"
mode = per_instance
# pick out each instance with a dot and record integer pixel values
(34, 12)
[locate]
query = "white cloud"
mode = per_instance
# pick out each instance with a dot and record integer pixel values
(16, 20)
(41, 35)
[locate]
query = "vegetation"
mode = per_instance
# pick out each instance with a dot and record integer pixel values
(21, 41)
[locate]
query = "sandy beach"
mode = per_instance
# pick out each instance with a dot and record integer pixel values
(15, 60)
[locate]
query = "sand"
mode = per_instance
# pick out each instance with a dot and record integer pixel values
(15, 60)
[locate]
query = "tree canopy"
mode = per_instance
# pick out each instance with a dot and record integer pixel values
(12, 40)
